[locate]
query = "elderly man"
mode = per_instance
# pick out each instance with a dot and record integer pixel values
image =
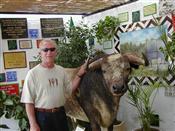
(44, 91)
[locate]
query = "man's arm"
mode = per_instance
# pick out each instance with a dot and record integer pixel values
(77, 79)
(30, 109)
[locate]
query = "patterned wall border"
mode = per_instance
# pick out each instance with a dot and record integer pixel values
(166, 20)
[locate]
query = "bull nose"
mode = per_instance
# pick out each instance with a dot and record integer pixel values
(116, 88)
(119, 89)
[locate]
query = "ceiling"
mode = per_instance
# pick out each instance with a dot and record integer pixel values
(83, 7)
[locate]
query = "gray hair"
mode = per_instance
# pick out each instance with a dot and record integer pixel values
(48, 41)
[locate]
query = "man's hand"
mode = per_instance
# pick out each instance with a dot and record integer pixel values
(83, 68)
(34, 127)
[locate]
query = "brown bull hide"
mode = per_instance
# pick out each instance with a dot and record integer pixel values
(101, 89)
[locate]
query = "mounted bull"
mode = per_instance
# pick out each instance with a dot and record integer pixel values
(101, 88)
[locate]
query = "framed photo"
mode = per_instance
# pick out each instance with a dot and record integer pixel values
(22, 83)
(2, 77)
(136, 16)
(25, 44)
(108, 45)
(33, 64)
(123, 17)
(150, 9)
(14, 60)
(33, 33)
(11, 89)
(38, 42)
(11, 76)
(12, 44)
(56, 40)
(173, 19)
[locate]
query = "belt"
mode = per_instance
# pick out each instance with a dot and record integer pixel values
(49, 110)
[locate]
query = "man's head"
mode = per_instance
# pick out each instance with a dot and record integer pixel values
(48, 50)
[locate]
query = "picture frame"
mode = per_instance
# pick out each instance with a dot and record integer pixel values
(12, 44)
(33, 64)
(2, 77)
(14, 60)
(11, 89)
(150, 9)
(38, 42)
(136, 16)
(25, 44)
(33, 33)
(108, 45)
(123, 17)
(11, 76)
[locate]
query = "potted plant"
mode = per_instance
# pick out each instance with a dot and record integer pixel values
(169, 46)
(142, 99)
(105, 29)
(11, 107)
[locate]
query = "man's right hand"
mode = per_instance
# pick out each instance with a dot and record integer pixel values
(34, 127)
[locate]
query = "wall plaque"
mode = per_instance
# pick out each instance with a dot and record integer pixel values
(14, 28)
(11, 89)
(14, 59)
(52, 27)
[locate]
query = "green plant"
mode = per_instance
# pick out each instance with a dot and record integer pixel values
(11, 107)
(73, 52)
(105, 29)
(142, 99)
(169, 50)
(169, 46)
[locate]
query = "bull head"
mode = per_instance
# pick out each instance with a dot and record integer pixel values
(116, 69)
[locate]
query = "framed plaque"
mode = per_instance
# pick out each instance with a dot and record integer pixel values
(108, 45)
(123, 17)
(11, 89)
(33, 64)
(12, 44)
(52, 27)
(25, 44)
(14, 60)
(11, 76)
(136, 16)
(150, 9)
(14, 28)
(2, 77)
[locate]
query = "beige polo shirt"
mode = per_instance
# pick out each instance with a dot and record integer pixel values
(46, 88)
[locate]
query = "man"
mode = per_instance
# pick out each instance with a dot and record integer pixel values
(44, 91)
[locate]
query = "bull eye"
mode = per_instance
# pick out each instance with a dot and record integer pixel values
(128, 69)
(104, 71)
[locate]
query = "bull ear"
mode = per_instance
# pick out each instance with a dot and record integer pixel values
(96, 64)
(135, 60)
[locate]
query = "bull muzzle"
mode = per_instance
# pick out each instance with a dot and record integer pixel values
(117, 89)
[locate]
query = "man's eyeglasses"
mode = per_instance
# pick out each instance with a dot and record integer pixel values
(47, 49)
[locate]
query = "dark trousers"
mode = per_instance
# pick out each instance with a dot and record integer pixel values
(52, 121)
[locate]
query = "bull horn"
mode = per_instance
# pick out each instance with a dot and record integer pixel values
(96, 64)
(145, 59)
(135, 60)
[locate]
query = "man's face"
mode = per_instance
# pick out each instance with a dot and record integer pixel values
(48, 52)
